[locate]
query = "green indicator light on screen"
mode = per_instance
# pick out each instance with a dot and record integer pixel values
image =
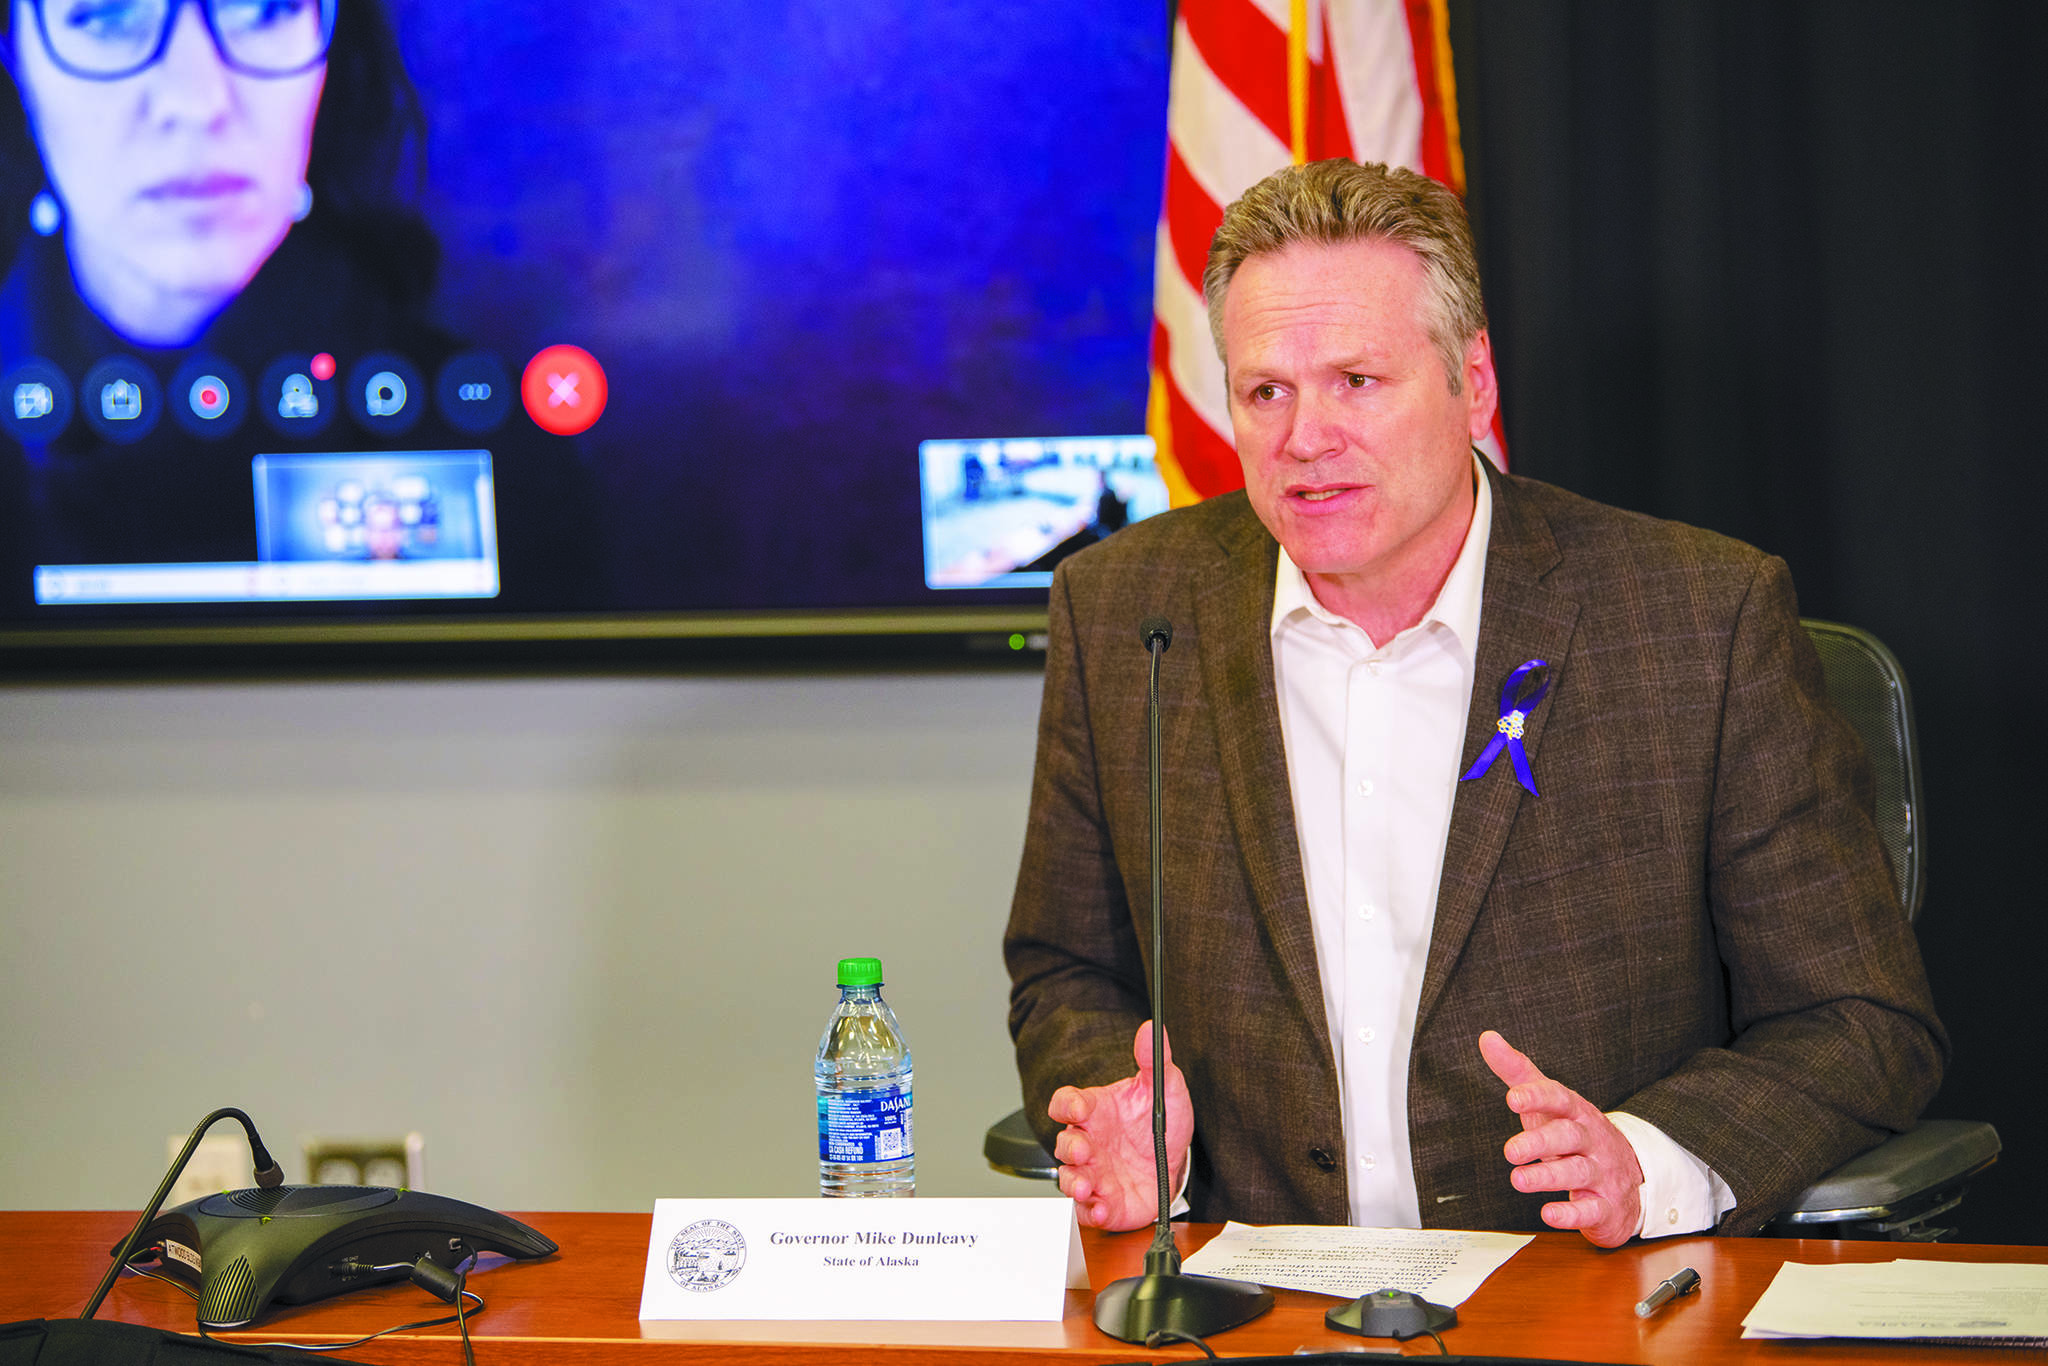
(1017, 640)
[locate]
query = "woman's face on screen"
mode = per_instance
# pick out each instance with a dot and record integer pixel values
(176, 182)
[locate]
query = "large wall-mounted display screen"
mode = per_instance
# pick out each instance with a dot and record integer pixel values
(373, 311)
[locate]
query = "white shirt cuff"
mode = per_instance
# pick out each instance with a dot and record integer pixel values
(1180, 1204)
(1680, 1193)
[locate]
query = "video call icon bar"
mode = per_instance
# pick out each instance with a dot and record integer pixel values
(563, 389)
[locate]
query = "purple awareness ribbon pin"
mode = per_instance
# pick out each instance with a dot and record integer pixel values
(1514, 717)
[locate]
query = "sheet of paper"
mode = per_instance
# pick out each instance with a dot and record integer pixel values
(1904, 1298)
(1440, 1265)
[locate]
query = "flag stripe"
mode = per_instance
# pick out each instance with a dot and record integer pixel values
(1225, 149)
(1191, 218)
(1376, 65)
(1276, 11)
(1192, 365)
(1207, 461)
(1247, 53)
(1329, 133)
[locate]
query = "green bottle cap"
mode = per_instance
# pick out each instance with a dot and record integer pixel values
(860, 972)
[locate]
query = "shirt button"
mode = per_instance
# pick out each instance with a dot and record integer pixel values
(1367, 910)
(1367, 1161)
(1671, 1215)
(1365, 787)
(1366, 1035)
(1372, 667)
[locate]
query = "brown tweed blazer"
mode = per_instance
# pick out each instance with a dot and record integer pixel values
(1694, 922)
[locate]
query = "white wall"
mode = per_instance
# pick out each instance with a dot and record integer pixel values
(580, 932)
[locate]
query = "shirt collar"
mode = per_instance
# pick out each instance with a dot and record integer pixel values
(1457, 603)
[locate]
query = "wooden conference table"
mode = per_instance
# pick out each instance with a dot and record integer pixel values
(1558, 1297)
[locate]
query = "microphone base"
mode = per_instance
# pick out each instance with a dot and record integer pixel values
(1133, 1309)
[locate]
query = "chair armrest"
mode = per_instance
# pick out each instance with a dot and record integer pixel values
(1939, 1153)
(1011, 1148)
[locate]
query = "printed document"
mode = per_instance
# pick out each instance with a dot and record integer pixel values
(1441, 1265)
(1906, 1298)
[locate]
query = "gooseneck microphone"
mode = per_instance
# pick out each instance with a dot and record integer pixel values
(1157, 635)
(1163, 1300)
(268, 1174)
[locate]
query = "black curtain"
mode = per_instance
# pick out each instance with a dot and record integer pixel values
(1776, 268)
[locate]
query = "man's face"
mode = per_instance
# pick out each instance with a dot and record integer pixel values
(1356, 454)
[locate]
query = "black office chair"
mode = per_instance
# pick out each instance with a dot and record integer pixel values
(1897, 1189)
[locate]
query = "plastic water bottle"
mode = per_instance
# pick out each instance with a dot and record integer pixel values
(864, 1126)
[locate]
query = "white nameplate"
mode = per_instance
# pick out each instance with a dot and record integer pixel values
(1008, 1259)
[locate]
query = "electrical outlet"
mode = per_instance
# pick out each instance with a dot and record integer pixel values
(394, 1162)
(221, 1162)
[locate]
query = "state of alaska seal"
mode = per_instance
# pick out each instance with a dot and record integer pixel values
(706, 1255)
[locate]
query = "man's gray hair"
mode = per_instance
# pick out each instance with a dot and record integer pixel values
(1336, 201)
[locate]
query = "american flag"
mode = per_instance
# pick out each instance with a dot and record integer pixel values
(1256, 85)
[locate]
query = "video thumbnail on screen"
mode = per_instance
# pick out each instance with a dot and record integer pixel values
(1001, 512)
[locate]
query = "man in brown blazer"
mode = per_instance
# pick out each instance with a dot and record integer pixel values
(1692, 925)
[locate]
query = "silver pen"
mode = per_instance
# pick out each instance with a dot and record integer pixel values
(1683, 1283)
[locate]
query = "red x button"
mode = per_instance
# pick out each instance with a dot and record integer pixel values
(563, 389)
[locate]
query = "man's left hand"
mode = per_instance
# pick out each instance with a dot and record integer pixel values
(1567, 1144)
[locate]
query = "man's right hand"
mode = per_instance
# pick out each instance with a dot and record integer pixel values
(1105, 1152)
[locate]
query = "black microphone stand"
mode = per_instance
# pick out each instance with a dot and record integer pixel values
(1164, 1300)
(268, 1174)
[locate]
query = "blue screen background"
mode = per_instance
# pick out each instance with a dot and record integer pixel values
(800, 238)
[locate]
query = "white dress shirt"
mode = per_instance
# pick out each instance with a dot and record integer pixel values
(1374, 735)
